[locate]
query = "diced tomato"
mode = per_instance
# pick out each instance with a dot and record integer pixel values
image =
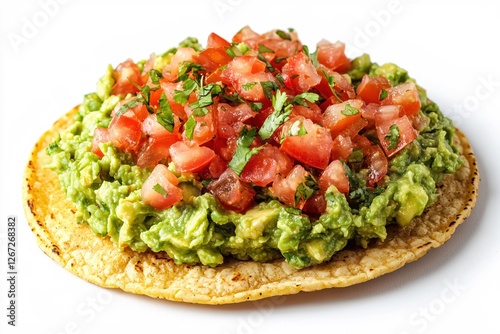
(215, 41)
(368, 112)
(182, 55)
(165, 179)
(404, 95)
(284, 188)
(337, 118)
(245, 34)
(315, 205)
(259, 170)
(125, 133)
(225, 148)
(312, 111)
(406, 134)
(155, 149)
(101, 135)
(139, 111)
(344, 90)
(342, 147)
(370, 88)
(230, 119)
(126, 75)
(332, 55)
(190, 157)
(151, 127)
(170, 91)
(334, 175)
(213, 58)
(217, 167)
(282, 48)
(312, 148)
(245, 74)
(300, 73)
(377, 164)
(387, 113)
(232, 193)
(205, 129)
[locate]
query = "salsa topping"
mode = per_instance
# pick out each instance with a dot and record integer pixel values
(327, 149)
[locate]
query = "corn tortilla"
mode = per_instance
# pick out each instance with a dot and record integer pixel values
(75, 247)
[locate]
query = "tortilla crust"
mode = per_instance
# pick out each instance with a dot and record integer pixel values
(75, 247)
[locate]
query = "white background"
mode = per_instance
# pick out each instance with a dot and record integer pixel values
(53, 52)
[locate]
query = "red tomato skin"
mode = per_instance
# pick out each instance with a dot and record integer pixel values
(313, 148)
(370, 88)
(377, 163)
(231, 192)
(216, 41)
(125, 75)
(332, 55)
(101, 135)
(167, 180)
(335, 175)
(190, 157)
(284, 188)
(125, 133)
(406, 132)
(406, 96)
(155, 149)
(336, 121)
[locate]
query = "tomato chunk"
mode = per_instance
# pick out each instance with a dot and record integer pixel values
(285, 188)
(334, 175)
(376, 162)
(160, 189)
(405, 134)
(300, 73)
(231, 192)
(190, 157)
(404, 95)
(101, 135)
(312, 147)
(370, 88)
(338, 117)
(332, 55)
(125, 132)
(263, 167)
(125, 75)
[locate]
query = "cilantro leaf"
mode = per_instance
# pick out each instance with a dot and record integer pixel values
(268, 87)
(383, 94)
(205, 99)
(269, 67)
(306, 96)
(256, 106)
(277, 117)
(189, 127)
(155, 76)
(331, 83)
(264, 49)
(248, 85)
(349, 110)
(283, 35)
(181, 96)
(159, 189)
(306, 189)
(186, 67)
(313, 56)
(129, 105)
(243, 152)
(297, 129)
(165, 116)
(393, 137)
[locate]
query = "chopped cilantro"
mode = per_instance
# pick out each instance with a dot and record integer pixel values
(313, 56)
(297, 129)
(256, 106)
(283, 35)
(123, 109)
(268, 87)
(155, 76)
(165, 116)
(187, 67)
(383, 94)
(277, 117)
(205, 99)
(181, 96)
(393, 137)
(306, 189)
(243, 152)
(189, 127)
(301, 98)
(264, 49)
(269, 67)
(248, 85)
(349, 110)
(159, 189)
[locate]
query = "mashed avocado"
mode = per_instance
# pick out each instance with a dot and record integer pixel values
(107, 193)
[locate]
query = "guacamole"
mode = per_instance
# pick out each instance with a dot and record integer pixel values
(106, 184)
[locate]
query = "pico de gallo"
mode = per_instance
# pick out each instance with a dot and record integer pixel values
(255, 147)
